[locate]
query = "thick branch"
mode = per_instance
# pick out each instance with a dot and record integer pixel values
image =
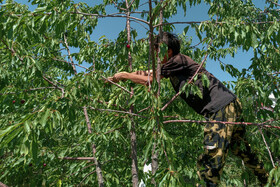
(98, 167)
(3, 185)
(225, 122)
(97, 164)
(87, 120)
(133, 141)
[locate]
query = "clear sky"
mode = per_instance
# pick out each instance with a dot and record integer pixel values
(110, 27)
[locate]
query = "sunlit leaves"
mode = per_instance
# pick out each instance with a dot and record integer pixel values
(50, 124)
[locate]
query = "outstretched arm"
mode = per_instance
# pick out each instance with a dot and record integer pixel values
(138, 77)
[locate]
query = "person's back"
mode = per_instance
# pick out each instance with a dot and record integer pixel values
(180, 69)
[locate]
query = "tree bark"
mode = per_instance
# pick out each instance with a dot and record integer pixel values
(133, 141)
(3, 185)
(97, 164)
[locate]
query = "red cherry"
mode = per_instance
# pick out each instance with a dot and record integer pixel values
(22, 101)
(14, 101)
(45, 164)
(128, 46)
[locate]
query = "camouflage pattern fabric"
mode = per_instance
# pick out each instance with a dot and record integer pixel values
(218, 139)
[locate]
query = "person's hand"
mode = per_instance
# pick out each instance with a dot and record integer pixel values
(118, 77)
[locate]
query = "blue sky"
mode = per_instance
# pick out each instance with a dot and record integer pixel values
(110, 27)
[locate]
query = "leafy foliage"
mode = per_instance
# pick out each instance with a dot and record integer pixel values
(42, 95)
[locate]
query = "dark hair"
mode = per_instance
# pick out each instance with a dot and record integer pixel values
(171, 40)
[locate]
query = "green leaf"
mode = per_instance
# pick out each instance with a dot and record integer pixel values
(45, 117)
(196, 91)
(205, 81)
(40, 9)
(26, 127)
(255, 42)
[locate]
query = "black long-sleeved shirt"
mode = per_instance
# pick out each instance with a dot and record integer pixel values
(180, 69)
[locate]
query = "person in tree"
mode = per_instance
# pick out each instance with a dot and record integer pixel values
(218, 103)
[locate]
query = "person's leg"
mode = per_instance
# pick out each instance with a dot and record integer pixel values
(217, 140)
(216, 144)
(250, 159)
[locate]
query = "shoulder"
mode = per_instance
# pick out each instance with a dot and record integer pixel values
(181, 59)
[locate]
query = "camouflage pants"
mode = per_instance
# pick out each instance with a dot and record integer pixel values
(218, 139)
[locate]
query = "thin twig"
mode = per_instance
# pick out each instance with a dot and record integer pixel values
(143, 109)
(61, 89)
(270, 155)
(69, 54)
(130, 4)
(117, 16)
(116, 5)
(82, 169)
(78, 158)
(274, 3)
(86, 177)
(73, 64)
(117, 111)
(31, 89)
(108, 80)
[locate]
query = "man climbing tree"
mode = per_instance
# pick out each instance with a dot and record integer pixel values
(215, 103)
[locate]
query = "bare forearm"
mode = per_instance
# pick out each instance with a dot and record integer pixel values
(138, 78)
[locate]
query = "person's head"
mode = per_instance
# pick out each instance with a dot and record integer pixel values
(171, 40)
